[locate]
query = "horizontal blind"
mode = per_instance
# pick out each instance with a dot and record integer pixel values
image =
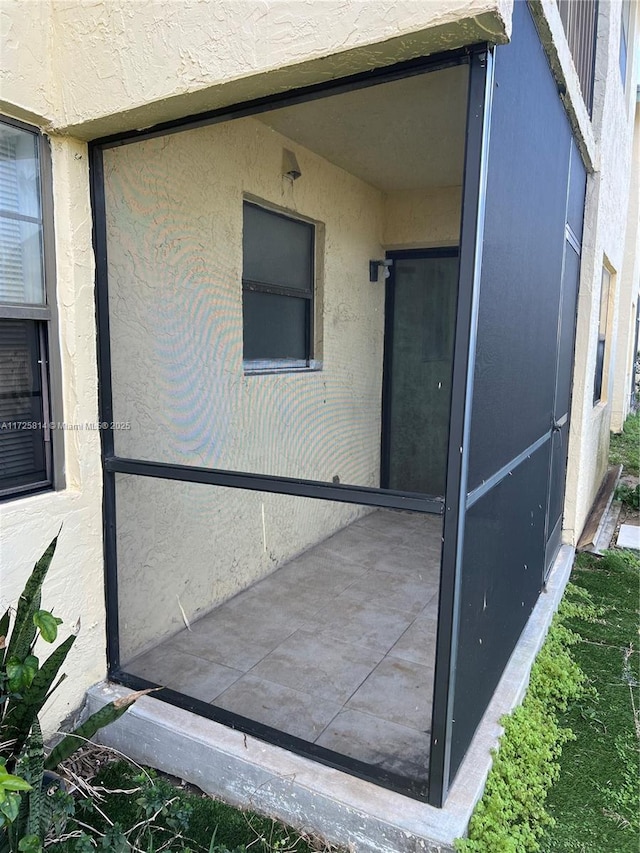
(21, 272)
(11, 266)
(22, 454)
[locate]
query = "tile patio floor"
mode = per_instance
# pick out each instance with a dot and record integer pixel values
(336, 647)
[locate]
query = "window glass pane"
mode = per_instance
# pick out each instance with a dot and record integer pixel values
(602, 334)
(19, 172)
(624, 38)
(274, 326)
(21, 274)
(604, 303)
(276, 250)
(22, 456)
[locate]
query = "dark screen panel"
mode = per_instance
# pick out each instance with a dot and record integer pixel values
(577, 186)
(570, 285)
(559, 442)
(522, 255)
(419, 358)
(502, 569)
(521, 303)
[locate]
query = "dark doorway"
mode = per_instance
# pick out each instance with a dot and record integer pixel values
(419, 334)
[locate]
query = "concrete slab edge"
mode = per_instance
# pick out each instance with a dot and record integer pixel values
(606, 533)
(600, 532)
(357, 814)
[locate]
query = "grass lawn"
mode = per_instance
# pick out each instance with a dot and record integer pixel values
(136, 809)
(595, 802)
(625, 447)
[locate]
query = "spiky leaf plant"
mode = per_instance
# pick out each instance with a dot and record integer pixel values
(25, 686)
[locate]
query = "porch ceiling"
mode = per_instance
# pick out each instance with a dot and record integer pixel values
(404, 135)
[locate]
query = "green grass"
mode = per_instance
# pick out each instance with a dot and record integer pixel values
(625, 447)
(595, 800)
(202, 818)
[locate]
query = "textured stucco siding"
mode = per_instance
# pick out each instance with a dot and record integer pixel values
(603, 242)
(422, 218)
(74, 588)
(127, 64)
(629, 293)
(27, 53)
(93, 68)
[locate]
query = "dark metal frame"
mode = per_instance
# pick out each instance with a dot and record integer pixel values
(478, 57)
(387, 367)
(474, 186)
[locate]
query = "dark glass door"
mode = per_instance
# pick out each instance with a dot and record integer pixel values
(419, 335)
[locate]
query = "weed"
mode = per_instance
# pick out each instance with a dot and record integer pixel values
(628, 495)
(511, 816)
(625, 446)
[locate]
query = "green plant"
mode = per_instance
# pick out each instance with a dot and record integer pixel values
(595, 799)
(25, 686)
(628, 495)
(624, 448)
(511, 816)
(153, 813)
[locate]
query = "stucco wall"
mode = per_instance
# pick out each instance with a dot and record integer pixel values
(118, 64)
(422, 218)
(74, 588)
(27, 89)
(95, 68)
(603, 240)
(629, 291)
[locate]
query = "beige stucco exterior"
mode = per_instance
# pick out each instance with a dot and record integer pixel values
(74, 588)
(80, 70)
(603, 244)
(98, 68)
(629, 291)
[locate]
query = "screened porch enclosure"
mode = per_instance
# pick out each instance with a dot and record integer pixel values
(248, 334)
(336, 342)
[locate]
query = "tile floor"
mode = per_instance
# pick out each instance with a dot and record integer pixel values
(336, 647)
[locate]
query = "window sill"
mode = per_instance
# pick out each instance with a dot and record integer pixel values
(20, 492)
(262, 367)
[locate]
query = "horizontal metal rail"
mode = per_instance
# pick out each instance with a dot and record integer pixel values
(363, 495)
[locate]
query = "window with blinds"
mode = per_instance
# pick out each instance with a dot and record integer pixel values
(25, 446)
(277, 290)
